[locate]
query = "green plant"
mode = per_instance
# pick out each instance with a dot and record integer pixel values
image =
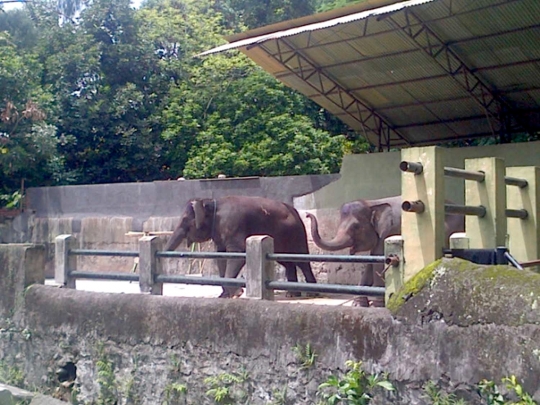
(106, 379)
(490, 392)
(11, 375)
(279, 397)
(305, 355)
(173, 393)
(437, 397)
(227, 388)
(356, 387)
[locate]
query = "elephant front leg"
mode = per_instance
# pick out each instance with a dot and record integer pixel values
(232, 269)
(371, 277)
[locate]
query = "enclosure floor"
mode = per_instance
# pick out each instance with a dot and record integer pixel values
(191, 290)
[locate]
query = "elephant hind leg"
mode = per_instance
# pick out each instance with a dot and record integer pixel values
(307, 272)
(292, 276)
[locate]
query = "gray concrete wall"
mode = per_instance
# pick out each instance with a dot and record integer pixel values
(377, 175)
(152, 342)
(101, 215)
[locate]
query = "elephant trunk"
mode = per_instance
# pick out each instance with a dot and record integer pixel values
(341, 241)
(177, 237)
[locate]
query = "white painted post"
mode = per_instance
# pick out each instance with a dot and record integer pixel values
(459, 240)
(489, 231)
(149, 265)
(63, 262)
(258, 269)
(524, 234)
(423, 233)
(393, 277)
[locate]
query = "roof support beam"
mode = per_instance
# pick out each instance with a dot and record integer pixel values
(497, 110)
(332, 91)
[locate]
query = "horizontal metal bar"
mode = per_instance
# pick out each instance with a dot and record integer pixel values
(531, 263)
(513, 181)
(479, 211)
(464, 174)
(89, 252)
(286, 257)
(202, 255)
(411, 167)
(96, 275)
(521, 213)
(326, 288)
(219, 281)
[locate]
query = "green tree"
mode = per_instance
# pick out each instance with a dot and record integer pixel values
(101, 70)
(27, 142)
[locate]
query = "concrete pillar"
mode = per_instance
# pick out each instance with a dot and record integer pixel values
(21, 265)
(489, 231)
(63, 262)
(149, 265)
(258, 269)
(524, 234)
(393, 277)
(423, 233)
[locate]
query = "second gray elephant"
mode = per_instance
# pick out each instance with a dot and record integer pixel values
(363, 227)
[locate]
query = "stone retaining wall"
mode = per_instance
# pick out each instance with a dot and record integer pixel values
(152, 343)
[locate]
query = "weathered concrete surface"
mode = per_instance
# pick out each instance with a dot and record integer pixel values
(101, 215)
(20, 266)
(10, 395)
(462, 293)
(153, 342)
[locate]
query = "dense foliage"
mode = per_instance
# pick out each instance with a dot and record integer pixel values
(98, 91)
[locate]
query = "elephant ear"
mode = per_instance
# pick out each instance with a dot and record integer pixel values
(382, 220)
(198, 208)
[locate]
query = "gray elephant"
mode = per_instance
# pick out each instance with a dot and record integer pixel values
(228, 221)
(363, 227)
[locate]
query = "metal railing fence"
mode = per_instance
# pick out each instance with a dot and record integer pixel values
(259, 276)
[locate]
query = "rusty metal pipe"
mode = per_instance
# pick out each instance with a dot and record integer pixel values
(531, 263)
(513, 181)
(479, 211)
(413, 206)
(411, 167)
(392, 260)
(464, 174)
(521, 213)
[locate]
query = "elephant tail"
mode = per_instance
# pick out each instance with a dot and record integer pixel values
(341, 241)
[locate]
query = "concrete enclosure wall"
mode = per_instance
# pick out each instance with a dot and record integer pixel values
(377, 175)
(101, 215)
(153, 342)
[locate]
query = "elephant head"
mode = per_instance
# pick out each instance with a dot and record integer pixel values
(362, 227)
(196, 224)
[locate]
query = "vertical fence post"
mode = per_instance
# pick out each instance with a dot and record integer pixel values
(149, 265)
(459, 240)
(258, 269)
(393, 277)
(524, 234)
(423, 233)
(63, 262)
(489, 231)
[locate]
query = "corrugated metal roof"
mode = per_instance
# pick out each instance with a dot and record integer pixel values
(413, 72)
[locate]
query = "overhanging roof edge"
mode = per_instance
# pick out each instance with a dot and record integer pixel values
(316, 26)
